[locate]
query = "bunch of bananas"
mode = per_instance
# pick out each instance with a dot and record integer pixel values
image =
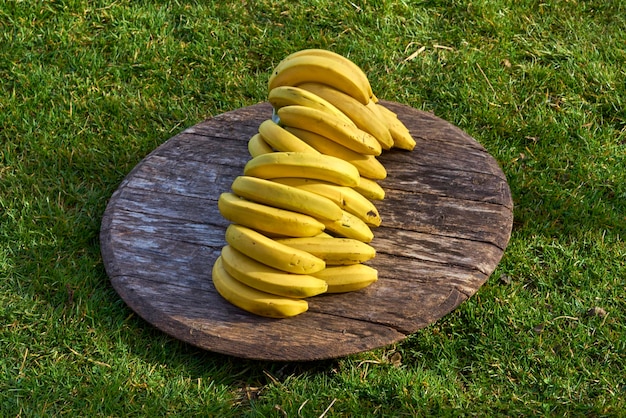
(302, 212)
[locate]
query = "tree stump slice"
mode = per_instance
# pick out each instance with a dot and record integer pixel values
(447, 220)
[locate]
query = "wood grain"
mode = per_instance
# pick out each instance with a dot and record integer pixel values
(447, 220)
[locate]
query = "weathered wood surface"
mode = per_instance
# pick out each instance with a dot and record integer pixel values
(447, 220)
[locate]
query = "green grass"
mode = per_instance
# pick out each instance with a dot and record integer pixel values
(87, 89)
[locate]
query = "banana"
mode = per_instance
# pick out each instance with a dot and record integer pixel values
(292, 71)
(349, 278)
(372, 105)
(267, 279)
(286, 197)
(402, 137)
(399, 132)
(346, 197)
(252, 300)
(329, 126)
(271, 252)
(334, 251)
(266, 218)
(350, 226)
(367, 165)
(282, 140)
(291, 95)
(300, 164)
(340, 59)
(370, 189)
(360, 114)
(258, 146)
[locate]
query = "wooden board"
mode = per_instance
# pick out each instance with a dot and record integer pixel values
(447, 219)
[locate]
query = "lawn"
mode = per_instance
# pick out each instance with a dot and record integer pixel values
(88, 89)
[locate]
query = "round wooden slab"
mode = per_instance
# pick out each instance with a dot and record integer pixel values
(447, 219)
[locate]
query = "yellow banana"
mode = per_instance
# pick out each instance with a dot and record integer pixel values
(290, 95)
(372, 105)
(399, 132)
(258, 146)
(310, 68)
(271, 252)
(349, 278)
(402, 137)
(350, 226)
(286, 197)
(329, 126)
(252, 300)
(367, 165)
(346, 197)
(301, 164)
(340, 59)
(266, 218)
(334, 251)
(282, 140)
(370, 189)
(360, 114)
(268, 279)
